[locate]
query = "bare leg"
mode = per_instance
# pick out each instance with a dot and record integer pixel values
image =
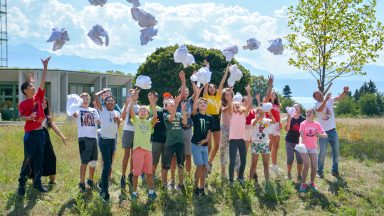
(83, 169)
(215, 148)
(173, 167)
(266, 164)
(91, 172)
(252, 170)
(135, 182)
(149, 178)
(188, 163)
(124, 163)
(181, 175)
(304, 174)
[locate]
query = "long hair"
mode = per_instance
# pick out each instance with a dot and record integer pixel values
(276, 101)
(47, 113)
(224, 101)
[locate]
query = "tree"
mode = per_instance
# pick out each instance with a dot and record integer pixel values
(163, 71)
(347, 106)
(287, 91)
(334, 38)
(372, 87)
(368, 105)
(259, 85)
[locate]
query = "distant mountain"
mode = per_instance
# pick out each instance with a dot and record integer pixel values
(27, 56)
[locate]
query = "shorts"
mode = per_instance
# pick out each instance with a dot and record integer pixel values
(260, 148)
(178, 149)
(290, 150)
(157, 151)
(88, 149)
(200, 155)
(311, 151)
(142, 161)
(216, 123)
(127, 139)
(248, 133)
(187, 136)
(275, 129)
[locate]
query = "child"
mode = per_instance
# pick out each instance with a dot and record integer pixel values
(260, 143)
(49, 162)
(236, 137)
(32, 112)
(142, 154)
(87, 119)
(202, 130)
(227, 96)
(110, 121)
(174, 143)
(309, 131)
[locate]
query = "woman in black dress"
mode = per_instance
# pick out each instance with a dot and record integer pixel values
(49, 163)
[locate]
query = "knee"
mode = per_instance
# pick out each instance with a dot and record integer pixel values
(92, 163)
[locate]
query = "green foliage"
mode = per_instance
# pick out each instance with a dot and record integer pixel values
(368, 105)
(163, 71)
(286, 102)
(346, 106)
(259, 85)
(287, 91)
(334, 38)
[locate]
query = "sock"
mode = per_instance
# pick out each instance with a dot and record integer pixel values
(151, 191)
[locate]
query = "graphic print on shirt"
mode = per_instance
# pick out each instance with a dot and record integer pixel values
(327, 114)
(296, 127)
(87, 119)
(202, 124)
(261, 128)
(310, 131)
(176, 123)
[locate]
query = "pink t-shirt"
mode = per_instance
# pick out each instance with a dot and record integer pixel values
(237, 126)
(310, 128)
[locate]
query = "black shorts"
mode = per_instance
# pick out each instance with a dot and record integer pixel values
(216, 123)
(88, 149)
(178, 149)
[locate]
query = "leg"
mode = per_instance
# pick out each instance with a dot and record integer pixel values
(135, 181)
(224, 143)
(83, 170)
(106, 155)
(39, 157)
(180, 162)
(299, 163)
(243, 158)
(275, 146)
(334, 141)
(188, 161)
(91, 172)
(173, 167)
(204, 156)
(29, 151)
(306, 162)
(124, 163)
(252, 170)
(216, 141)
(313, 158)
(266, 166)
(323, 151)
(232, 158)
(289, 150)
(187, 135)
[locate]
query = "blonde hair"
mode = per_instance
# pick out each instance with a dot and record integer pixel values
(85, 94)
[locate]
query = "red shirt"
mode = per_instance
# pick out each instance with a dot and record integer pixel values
(250, 116)
(29, 106)
(275, 111)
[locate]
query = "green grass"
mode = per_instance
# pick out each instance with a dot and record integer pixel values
(358, 192)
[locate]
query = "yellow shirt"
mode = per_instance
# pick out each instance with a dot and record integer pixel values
(214, 103)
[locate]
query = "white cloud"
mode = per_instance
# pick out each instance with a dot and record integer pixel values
(281, 13)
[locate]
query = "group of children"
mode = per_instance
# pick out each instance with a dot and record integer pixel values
(196, 126)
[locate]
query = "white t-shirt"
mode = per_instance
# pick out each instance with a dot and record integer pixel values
(86, 122)
(128, 123)
(261, 130)
(108, 128)
(326, 118)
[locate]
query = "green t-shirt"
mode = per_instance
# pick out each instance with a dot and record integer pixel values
(174, 129)
(143, 131)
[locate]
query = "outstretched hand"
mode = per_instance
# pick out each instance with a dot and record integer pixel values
(182, 76)
(270, 79)
(45, 62)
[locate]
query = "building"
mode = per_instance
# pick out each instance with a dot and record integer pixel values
(59, 83)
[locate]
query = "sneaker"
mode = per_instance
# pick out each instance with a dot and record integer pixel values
(130, 178)
(90, 183)
(335, 174)
(202, 192)
(41, 188)
(82, 187)
(242, 182)
(299, 178)
(104, 197)
(152, 196)
(231, 183)
(181, 188)
(289, 176)
(172, 184)
(134, 196)
(303, 188)
(196, 191)
(21, 191)
(255, 178)
(123, 182)
(313, 187)
(320, 175)
(99, 186)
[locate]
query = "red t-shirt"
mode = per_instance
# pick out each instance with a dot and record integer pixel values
(275, 111)
(34, 104)
(250, 116)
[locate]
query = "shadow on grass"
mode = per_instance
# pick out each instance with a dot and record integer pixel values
(316, 198)
(341, 185)
(241, 199)
(18, 202)
(174, 203)
(205, 205)
(267, 198)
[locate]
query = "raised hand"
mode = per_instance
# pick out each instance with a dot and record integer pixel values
(248, 88)
(182, 76)
(329, 95)
(183, 106)
(346, 89)
(257, 96)
(178, 99)
(270, 79)
(45, 62)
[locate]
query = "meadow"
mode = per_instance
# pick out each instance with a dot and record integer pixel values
(359, 190)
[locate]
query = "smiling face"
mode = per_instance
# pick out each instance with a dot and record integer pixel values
(169, 104)
(143, 112)
(211, 89)
(309, 113)
(236, 107)
(202, 105)
(110, 103)
(297, 108)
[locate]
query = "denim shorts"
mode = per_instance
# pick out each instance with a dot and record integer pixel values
(200, 155)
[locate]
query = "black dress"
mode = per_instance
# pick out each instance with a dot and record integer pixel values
(49, 161)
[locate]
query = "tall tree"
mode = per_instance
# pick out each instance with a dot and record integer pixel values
(334, 38)
(287, 91)
(372, 87)
(160, 66)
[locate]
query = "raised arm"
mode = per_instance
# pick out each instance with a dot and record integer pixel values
(257, 96)
(128, 101)
(183, 92)
(184, 113)
(133, 102)
(152, 104)
(324, 103)
(229, 105)
(45, 64)
(342, 95)
(97, 100)
(249, 98)
(269, 91)
(221, 86)
(173, 111)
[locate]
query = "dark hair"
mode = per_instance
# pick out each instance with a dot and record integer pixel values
(106, 98)
(224, 101)
(276, 101)
(47, 113)
(24, 86)
(186, 89)
(154, 93)
(211, 84)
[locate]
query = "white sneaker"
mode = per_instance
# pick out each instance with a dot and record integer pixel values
(276, 170)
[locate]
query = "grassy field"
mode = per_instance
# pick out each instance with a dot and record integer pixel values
(359, 191)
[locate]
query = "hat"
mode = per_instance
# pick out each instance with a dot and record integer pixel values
(276, 46)
(252, 44)
(147, 34)
(74, 102)
(143, 82)
(238, 97)
(181, 55)
(235, 75)
(230, 52)
(135, 3)
(96, 33)
(167, 95)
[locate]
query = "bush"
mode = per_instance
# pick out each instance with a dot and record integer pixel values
(7, 115)
(346, 106)
(368, 105)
